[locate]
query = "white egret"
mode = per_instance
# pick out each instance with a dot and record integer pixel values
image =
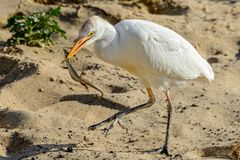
(158, 56)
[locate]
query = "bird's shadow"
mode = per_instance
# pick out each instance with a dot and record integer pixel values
(33, 150)
(93, 100)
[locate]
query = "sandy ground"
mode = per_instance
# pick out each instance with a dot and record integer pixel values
(45, 114)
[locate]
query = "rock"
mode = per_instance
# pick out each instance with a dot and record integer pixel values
(51, 79)
(40, 90)
(218, 52)
(60, 156)
(212, 60)
(194, 105)
(61, 81)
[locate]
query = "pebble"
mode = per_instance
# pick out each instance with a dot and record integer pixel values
(217, 52)
(40, 90)
(194, 105)
(85, 139)
(51, 79)
(213, 60)
(60, 156)
(61, 81)
(90, 144)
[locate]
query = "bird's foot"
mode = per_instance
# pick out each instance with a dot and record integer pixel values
(115, 118)
(112, 125)
(164, 151)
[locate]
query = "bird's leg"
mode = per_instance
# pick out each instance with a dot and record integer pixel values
(169, 109)
(116, 117)
(80, 78)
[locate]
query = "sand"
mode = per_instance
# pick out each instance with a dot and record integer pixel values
(44, 114)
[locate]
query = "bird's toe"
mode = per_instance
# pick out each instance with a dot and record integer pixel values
(165, 151)
(92, 127)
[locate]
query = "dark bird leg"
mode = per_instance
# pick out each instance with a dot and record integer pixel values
(116, 117)
(169, 109)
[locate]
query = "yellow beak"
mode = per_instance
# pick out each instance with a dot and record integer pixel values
(77, 46)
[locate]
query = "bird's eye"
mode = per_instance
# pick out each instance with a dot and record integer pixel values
(91, 33)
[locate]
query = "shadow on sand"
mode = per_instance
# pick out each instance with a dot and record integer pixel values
(92, 99)
(34, 150)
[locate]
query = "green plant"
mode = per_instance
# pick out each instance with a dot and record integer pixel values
(36, 29)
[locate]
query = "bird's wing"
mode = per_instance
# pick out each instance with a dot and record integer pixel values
(166, 53)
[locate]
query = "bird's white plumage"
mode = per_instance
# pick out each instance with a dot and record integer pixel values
(158, 56)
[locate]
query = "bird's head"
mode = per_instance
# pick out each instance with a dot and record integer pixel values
(90, 31)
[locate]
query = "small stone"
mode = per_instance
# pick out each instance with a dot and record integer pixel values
(218, 52)
(40, 90)
(51, 79)
(85, 139)
(132, 140)
(91, 144)
(194, 105)
(213, 60)
(61, 81)
(60, 156)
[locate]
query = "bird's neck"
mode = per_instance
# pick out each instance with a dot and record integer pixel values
(105, 44)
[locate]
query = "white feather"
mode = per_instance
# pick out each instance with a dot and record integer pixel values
(157, 55)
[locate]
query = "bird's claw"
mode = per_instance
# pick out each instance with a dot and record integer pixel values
(116, 120)
(111, 126)
(164, 151)
(92, 127)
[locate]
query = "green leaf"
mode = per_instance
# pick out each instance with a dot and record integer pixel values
(35, 29)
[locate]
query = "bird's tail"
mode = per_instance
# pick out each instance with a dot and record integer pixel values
(208, 72)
